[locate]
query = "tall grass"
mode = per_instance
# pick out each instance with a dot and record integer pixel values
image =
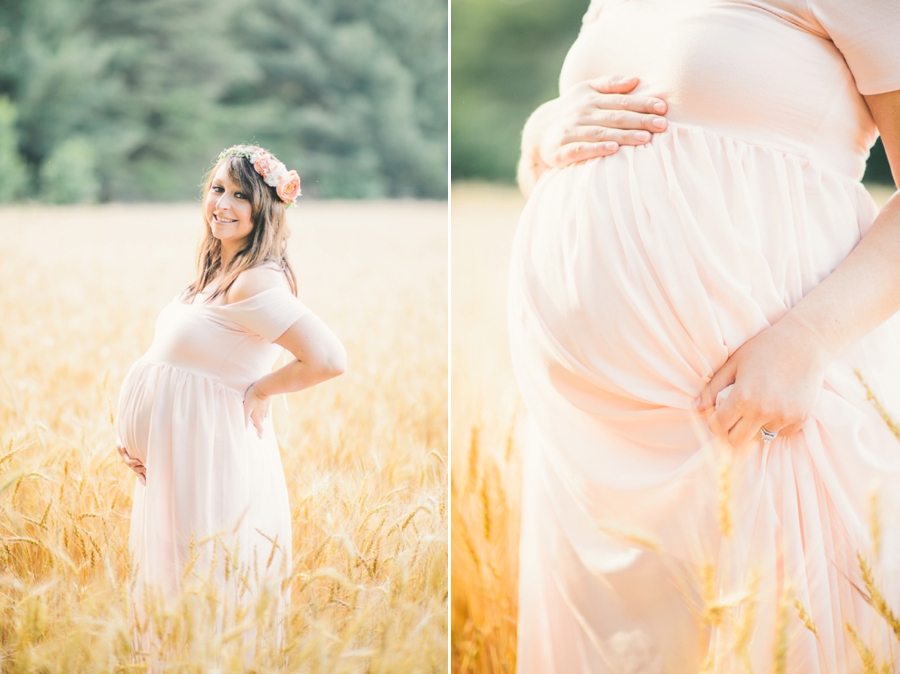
(486, 466)
(365, 455)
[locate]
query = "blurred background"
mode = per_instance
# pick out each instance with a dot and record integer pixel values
(102, 100)
(109, 105)
(506, 60)
(506, 57)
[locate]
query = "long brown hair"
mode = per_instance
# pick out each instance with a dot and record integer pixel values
(267, 243)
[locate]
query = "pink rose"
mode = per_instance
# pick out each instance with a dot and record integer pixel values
(289, 189)
(265, 163)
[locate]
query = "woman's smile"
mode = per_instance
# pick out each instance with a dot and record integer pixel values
(228, 210)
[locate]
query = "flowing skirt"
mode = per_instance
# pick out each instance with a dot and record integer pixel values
(213, 521)
(647, 545)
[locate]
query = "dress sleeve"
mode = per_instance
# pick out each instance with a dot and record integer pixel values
(269, 313)
(867, 33)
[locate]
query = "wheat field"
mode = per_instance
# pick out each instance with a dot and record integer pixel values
(485, 464)
(365, 455)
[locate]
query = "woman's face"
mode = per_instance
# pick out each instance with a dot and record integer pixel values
(228, 210)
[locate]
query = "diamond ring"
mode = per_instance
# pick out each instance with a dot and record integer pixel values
(767, 436)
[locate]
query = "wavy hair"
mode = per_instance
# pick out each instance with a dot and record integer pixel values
(267, 243)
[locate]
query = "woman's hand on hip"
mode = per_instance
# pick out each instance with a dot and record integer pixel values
(256, 408)
(133, 463)
(776, 378)
(591, 119)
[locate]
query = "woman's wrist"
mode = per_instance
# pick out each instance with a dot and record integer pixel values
(257, 390)
(825, 346)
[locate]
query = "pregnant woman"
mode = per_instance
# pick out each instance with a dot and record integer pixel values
(703, 333)
(193, 422)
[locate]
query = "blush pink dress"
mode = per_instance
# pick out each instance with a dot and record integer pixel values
(647, 547)
(211, 480)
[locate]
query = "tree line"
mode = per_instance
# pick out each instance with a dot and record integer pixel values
(105, 100)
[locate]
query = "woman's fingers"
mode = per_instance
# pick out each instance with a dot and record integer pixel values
(743, 432)
(634, 105)
(576, 152)
(613, 84)
(596, 134)
(722, 379)
(133, 463)
(723, 419)
(624, 119)
(257, 422)
(129, 460)
(255, 409)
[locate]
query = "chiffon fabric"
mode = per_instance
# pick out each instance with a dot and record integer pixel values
(648, 545)
(215, 506)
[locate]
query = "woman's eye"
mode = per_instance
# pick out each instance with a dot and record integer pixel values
(240, 195)
(217, 189)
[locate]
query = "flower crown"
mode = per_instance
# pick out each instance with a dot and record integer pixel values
(286, 183)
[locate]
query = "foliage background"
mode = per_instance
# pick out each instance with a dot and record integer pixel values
(102, 100)
(506, 60)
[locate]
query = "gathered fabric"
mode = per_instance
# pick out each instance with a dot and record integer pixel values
(647, 544)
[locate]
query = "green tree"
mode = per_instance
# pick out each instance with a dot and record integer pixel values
(350, 93)
(506, 62)
(360, 92)
(69, 175)
(13, 174)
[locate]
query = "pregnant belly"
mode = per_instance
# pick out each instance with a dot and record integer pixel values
(165, 406)
(635, 276)
(136, 401)
(645, 270)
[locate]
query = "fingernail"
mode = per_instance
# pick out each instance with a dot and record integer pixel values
(642, 136)
(659, 106)
(623, 80)
(610, 147)
(659, 123)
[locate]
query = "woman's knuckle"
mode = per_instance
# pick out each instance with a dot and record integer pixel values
(742, 398)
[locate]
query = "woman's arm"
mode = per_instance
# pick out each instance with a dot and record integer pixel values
(778, 373)
(319, 355)
(592, 119)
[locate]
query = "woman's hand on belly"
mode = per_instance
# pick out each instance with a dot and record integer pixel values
(591, 119)
(133, 463)
(776, 378)
(256, 408)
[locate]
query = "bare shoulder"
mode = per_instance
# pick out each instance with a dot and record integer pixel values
(254, 281)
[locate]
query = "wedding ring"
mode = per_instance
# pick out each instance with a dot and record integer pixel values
(767, 436)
